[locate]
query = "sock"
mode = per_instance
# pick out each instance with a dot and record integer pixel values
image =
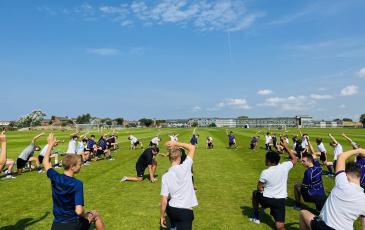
(56, 162)
(330, 169)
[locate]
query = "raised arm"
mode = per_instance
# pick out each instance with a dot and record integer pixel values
(3, 149)
(227, 132)
(341, 159)
(291, 153)
(189, 147)
(333, 139)
(51, 142)
(36, 137)
(346, 137)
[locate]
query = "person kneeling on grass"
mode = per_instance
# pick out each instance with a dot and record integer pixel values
(3, 160)
(27, 156)
(311, 189)
(346, 201)
(53, 155)
(272, 187)
(177, 184)
(146, 160)
(68, 194)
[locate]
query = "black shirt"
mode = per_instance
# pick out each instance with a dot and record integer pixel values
(146, 158)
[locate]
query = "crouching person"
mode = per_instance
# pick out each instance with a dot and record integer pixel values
(68, 194)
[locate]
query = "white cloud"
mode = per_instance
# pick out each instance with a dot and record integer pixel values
(216, 15)
(361, 73)
(264, 92)
(103, 51)
(292, 103)
(350, 90)
(196, 108)
(237, 103)
(321, 97)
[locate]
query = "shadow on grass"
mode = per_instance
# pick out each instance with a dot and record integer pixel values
(266, 219)
(24, 223)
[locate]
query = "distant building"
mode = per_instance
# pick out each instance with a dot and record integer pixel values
(4, 123)
(202, 122)
(226, 122)
(178, 123)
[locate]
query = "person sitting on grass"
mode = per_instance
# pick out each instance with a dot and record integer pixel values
(71, 149)
(272, 187)
(145, 160)
(91, 146)
(112, 140)
(53, 154)
(254, 141)
(178, 185)
(3, 160)
(68, 194)
(27, 156)
(346, 201)
(102, 148)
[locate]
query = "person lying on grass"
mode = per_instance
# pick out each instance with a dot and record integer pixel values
(68, 194)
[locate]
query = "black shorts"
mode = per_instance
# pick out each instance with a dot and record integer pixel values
(79, 224)
(318, 224)
(231, 144)
(210, 145)
(181, 218)
(323, 156)
(100, 152)
(136, 143)
(317, 200)
(253, 145)
(277, 206)
(40, 158)
(140, 170)
(20, 163)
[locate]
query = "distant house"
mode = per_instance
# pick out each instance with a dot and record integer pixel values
(46, 122)
(4, 123)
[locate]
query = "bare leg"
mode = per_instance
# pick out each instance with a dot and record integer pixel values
(135, 179)
(10, 163)
(279, 226)
(305, 219)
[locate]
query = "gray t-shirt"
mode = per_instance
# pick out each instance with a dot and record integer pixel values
(27, 152)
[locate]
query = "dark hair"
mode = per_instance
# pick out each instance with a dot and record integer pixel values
(74, 136)
(319, 140)
(155, 149)
(92, 136)
(267, 133)
(353, 169)
(273, 157)
(309, 157)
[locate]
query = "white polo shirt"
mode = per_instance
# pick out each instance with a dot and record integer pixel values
(268, 138)
(275, 180)
(178, 183)
(304, 143)
(155, 140)
(344, 205)
(338, 151)
(321, 148)
(71, 147)
(174, 138)
(133, 139)
(44, 150)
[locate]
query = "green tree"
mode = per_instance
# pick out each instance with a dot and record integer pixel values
(119, 120)
(195, 124)
(146, 122)
(242, 117)
(83, 119)
(362, 119)
(212, 125)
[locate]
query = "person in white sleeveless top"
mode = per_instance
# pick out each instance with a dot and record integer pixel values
(178, 185)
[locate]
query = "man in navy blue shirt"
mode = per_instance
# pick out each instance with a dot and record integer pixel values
(68, 194)
(311, 189)
(231, 139)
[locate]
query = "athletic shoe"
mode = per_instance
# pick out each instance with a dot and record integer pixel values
(124, 179)
(111, 159)
(254, 220)
(40, 171)
(296, 208)
(330, 175)
(10, 177)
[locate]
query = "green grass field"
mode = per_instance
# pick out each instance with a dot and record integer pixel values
(225, 179)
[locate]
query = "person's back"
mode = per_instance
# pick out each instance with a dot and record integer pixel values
(145, 158)
(275, 179)
(344, 205)
(180, 186)
(313, 179)
(67, 192)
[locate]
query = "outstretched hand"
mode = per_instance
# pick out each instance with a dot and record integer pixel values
(2, 137)
(51, 140)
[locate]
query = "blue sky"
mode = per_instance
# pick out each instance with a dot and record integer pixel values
(180, 59)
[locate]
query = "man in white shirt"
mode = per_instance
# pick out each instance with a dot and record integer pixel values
(346, 201)
(272, 187)
(177, 183)
(134, 142)
(155, 141)
(174, 137)
(337, 149)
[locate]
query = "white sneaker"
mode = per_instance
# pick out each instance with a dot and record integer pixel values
(124, 179)
(254, 220)
(40, 171)
(10, 177)
(111, 159)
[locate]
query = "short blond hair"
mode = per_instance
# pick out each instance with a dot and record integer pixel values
(70, 160)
